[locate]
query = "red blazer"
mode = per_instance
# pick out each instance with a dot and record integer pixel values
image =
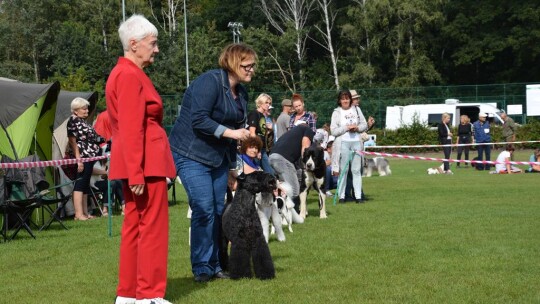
(140, 147)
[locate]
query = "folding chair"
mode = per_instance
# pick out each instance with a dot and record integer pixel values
(19, 205)
(45, 201)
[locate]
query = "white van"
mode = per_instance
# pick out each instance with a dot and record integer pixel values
(430, 114)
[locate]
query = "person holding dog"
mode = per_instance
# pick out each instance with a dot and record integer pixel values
(445, 138)
(204, 145)
(141, 158)
(287, 152)
(346, 125)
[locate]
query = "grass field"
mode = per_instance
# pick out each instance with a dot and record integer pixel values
(470, 237)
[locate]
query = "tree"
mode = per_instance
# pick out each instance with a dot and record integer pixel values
(284, 14)
(329, 17)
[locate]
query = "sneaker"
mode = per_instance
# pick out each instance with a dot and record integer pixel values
(153, 301)
(124, 300)
(328, 193)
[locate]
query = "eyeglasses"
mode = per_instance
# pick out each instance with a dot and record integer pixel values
(248, 67)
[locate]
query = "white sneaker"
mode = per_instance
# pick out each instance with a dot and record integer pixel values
(124, 300)
(153, 301)
(328, 193)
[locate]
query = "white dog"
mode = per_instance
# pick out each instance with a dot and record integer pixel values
(436, 170)
(267, 209)
(378, 163)
(286, 208)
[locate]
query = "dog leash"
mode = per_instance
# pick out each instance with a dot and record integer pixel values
(342, 174)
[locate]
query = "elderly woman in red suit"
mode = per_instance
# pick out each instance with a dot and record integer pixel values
(141, 158)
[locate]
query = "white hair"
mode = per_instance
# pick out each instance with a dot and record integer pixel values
(135, 27)
(78, 103)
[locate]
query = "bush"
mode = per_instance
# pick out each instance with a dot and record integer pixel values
(418, 133)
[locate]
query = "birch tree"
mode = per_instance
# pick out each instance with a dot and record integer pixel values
(284, 14)
(167, 20)
(329, 18)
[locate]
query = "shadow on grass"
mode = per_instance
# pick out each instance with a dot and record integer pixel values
(179, 288)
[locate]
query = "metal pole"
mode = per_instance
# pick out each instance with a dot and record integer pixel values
(186, 41)
(123, 10)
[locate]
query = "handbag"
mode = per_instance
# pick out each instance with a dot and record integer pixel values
(70, 170)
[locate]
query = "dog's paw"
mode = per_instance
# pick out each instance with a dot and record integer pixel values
(323, 215)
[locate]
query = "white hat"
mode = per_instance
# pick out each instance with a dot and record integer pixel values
(482, 115)
(300, 122)
(354, 94)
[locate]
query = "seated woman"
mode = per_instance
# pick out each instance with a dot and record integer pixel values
(535, 157)
(505, 168)
(249, 153)
(99, 181)
(330, 181)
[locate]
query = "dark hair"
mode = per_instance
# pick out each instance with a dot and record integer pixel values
(343, 93)
(252, 141)
(509, 147)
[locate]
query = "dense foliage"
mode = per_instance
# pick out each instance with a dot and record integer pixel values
(398, 43)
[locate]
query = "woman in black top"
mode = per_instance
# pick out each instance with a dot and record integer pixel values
(465, 136)
(84, 142)
(445, 138)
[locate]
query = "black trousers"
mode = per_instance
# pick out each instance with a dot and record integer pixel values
(447, 151)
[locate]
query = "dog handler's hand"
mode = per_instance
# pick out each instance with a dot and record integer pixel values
(240, 134)
(137, 189)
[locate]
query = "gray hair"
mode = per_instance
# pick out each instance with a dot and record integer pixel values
(135, 27)
(78, 103)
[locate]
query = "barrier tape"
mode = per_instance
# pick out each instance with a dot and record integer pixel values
(444, 159)
(451, 145)
(49, 163)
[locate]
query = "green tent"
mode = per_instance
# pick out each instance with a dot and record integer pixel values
(27, 118)
(26, 122)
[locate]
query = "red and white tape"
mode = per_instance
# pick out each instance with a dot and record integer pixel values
(451, 145)
(48, 163)
(448, 160)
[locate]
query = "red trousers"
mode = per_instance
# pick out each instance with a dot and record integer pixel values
(144, 245)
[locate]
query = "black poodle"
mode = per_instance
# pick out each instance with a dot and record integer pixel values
(241, 225)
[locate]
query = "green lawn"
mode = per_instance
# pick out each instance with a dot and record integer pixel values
(470, 237)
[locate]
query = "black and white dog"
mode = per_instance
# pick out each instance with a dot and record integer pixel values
(378, 163)
(313, 177)
(242, 226)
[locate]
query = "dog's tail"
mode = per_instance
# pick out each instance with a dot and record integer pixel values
(286, 187)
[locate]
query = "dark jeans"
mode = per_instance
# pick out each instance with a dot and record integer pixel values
(116, 190)
(330, 181)
(483, 149)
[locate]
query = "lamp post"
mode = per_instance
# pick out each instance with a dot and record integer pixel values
(235, 28)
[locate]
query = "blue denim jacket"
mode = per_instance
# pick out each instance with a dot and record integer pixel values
(208, 109)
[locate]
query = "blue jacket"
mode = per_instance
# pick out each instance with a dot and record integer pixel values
(208, 109)
(481, 132)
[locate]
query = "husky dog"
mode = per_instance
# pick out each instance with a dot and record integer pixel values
(378, 163)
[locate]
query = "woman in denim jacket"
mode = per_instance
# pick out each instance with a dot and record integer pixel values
(204, 145)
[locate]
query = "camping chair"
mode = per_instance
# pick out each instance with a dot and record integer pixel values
(20, 206)
(60, 201)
